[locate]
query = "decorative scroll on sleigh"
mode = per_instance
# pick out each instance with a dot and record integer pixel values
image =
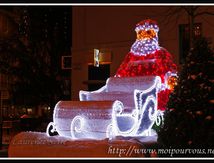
(123, 107)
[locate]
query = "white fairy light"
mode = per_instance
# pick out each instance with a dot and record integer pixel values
(85, 123)
(145, 46)
(141, 117)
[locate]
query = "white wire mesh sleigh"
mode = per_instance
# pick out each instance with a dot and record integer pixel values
(123, 107)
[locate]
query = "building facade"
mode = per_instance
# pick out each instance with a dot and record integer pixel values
(110, 29)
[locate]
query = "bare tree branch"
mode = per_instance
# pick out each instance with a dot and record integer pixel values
(204, 13)
(187, 10)
(195, 8)
(170, 15)
(208, 21)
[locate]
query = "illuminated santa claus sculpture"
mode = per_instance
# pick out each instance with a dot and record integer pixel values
(147, 58)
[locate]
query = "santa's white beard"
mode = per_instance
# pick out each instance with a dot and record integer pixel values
(145, 47)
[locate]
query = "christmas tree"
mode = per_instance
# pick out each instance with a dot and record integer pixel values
(189, 118)
(147, 58)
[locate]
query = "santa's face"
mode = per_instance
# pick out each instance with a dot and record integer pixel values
(147, 38)
(146, 34)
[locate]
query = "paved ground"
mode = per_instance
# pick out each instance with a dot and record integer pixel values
(7, 136)
(4, 151)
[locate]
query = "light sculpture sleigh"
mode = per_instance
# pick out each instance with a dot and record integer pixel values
(123, 107)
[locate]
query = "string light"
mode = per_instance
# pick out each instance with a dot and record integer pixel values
(143, 115)
(24, 25)
(84, 118)
(45, 26)
(147, 38)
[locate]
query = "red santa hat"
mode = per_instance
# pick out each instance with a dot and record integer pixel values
(146, 25)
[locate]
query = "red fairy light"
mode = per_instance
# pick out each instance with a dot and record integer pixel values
(158, 62)
(148, 21)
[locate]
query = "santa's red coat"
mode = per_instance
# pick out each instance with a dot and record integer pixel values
(158, 63)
